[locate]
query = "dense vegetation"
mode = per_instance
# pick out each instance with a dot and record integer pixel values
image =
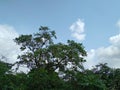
(55, 66)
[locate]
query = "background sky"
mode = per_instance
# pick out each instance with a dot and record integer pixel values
(95, 23)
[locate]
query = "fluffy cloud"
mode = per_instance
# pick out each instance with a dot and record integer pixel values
(90, 59)
(8, 47)
(77, 30)
(110, 54)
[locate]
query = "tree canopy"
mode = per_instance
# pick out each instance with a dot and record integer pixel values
(42, 52)
(55, 66)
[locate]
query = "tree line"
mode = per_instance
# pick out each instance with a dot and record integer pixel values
(55, 66)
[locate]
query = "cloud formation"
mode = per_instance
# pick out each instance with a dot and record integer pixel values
(77, 29)
(8, 47)
(109, 54)
(91, 60)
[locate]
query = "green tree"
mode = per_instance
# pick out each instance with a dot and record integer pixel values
(109, 76)
(41, 79)
(9, 80)
(43, 53)
(35, 46)
(4, 67)
(86, 80)
(113, 82)
(50, 64)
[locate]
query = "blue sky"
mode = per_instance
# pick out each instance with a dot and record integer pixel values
(99, 19)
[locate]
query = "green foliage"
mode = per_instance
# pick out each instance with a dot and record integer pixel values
(4, 67)
(86, 80)
(9, 81)
(43, 53)
(40, 79)
(65, 57)
(35, 45)
(55, 66)
(113, 82)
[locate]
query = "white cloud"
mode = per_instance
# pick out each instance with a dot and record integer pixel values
(110, 54)
(118, 24)
(115, 40)
(90, 59)
(8, 47)
(77, 30)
